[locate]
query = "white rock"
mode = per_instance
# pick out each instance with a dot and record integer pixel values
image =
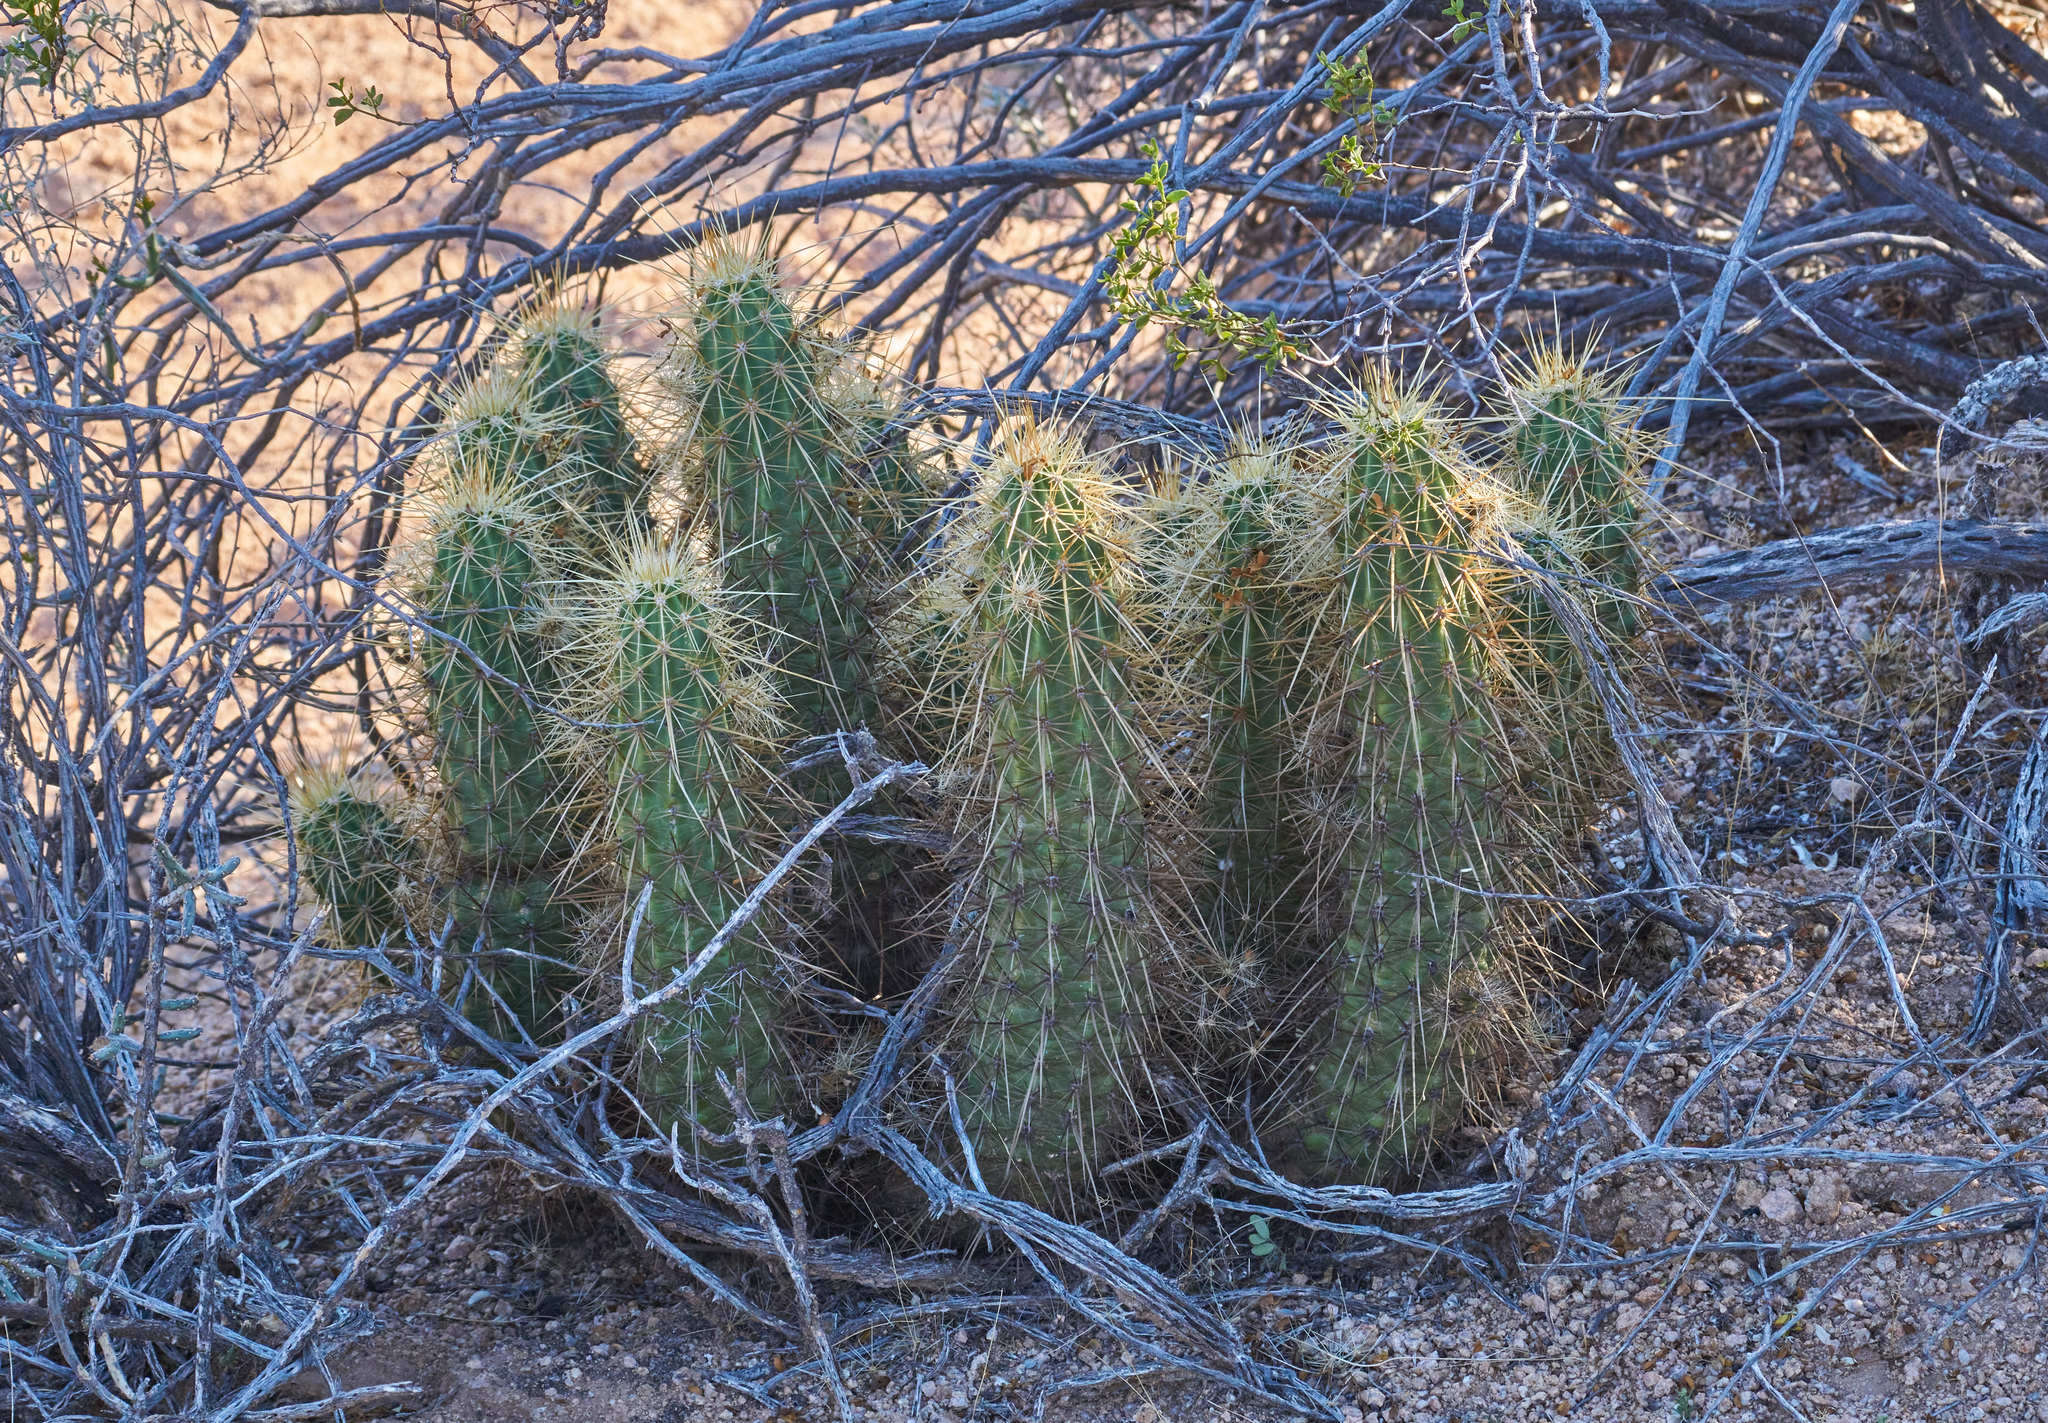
(1779, 1205)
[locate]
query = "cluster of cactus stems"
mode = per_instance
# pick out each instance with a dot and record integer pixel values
(618, 651)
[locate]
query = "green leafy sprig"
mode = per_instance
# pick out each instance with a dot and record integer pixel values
(1353, 96)
(1148, 282)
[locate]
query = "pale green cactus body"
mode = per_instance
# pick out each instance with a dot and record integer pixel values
(1385, 726)
(1407, 759)
(1576, 453)
(1026, 618)
(482, 584)
(535, 470)
(1575, 457)
(689, 806)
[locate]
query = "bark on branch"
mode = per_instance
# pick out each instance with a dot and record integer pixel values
(1858, 557)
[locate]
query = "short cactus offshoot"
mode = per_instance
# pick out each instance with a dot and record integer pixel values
(1574, 456)
(353, 853)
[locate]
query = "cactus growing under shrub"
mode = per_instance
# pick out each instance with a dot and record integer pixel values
(1027, 636)
(1237, 617)
(481, 583)
(1342, 624)
(1575, 456)
(1576, 453)
(534, 471)
(548, 421)
(353, 852)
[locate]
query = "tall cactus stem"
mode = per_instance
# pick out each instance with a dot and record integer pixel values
(666, 669)
(1407, 755)
(481, 580)
(775, 433)
(1027, 635)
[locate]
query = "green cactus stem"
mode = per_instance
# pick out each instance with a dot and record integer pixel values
(1406, 760)
(353, 853)
(481, 581)
(548, 420)
(1575, 456)
(1236, 579)
(667, 669)
(1024, 630)
(777, 426)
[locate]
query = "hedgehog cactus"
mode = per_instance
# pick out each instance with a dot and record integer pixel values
(667, 673)
(776, 422)
(1576, 453)
(534, 471)
(1406, 757)
(1026, 624)
(354, 854)
(1388, 725)
(481, 585)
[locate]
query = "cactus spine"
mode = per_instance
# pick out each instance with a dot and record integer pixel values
(1026, 619)
(667, 674)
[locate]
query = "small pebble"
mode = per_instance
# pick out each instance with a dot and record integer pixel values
(1779, 1205)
